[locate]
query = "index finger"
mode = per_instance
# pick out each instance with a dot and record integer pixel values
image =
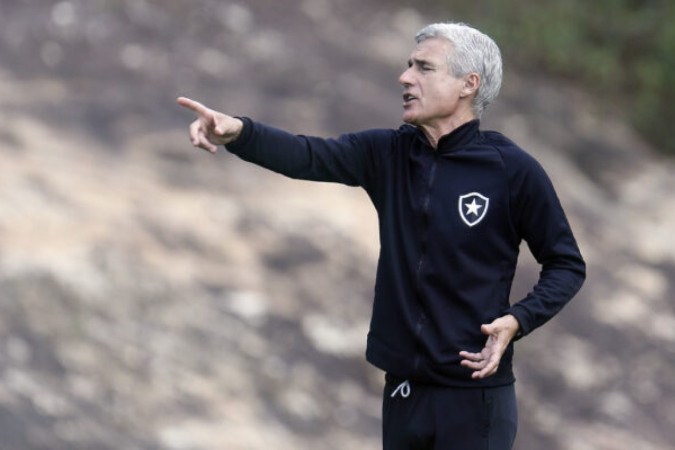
(471, 356)
(489, 369)
(193, 105)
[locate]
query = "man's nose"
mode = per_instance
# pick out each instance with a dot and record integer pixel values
(405, 79)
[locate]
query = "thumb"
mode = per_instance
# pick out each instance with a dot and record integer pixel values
(488, 328)
(220, 125)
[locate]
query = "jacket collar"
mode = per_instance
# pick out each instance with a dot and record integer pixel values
(457, 138)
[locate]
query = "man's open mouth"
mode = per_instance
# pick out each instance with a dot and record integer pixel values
(407, 98)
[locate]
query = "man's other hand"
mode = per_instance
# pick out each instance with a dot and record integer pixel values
(499, 333)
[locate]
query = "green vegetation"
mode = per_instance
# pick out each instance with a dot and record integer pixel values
(621, 50)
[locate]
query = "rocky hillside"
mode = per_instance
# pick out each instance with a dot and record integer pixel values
(157, 297)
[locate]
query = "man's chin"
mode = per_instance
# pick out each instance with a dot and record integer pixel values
(409, 119)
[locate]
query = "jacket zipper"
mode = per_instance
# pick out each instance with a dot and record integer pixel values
(425, 244)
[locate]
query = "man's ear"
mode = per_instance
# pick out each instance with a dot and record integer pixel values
(471, 84)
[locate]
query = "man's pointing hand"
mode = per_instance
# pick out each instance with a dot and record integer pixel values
(212, 128)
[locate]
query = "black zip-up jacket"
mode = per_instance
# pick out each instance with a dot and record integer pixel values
(451, 221)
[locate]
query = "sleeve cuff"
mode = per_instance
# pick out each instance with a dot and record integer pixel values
(523, 329)
(244, 137)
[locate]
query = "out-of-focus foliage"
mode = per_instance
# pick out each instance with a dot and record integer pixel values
(623, 50)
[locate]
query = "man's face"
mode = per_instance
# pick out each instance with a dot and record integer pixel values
(431, 95)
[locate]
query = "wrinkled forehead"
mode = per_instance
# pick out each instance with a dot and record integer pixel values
(434, 49)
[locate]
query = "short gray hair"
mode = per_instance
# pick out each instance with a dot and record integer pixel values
(473, 52)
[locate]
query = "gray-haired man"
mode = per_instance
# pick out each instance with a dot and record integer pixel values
(453, 203)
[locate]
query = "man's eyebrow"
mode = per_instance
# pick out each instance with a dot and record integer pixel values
(419, 62)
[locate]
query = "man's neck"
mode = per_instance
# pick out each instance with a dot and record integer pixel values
(434, 132)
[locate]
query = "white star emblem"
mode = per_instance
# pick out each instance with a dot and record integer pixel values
(472, 208)
(474, 205)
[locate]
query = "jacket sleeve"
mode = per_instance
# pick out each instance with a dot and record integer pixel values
(540, 220)
(349, 159)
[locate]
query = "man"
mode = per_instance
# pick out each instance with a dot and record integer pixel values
(454, 203)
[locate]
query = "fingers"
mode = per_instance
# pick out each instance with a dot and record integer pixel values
(471, 356)
(199, 139)
(474, 361)
(485, 363)
(193, 106)
(489, 368)
(205, 144)
(483, 367)
(212, 128)
(499, 333)
(195, 131)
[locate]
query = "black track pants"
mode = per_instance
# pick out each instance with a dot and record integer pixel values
(423, 417)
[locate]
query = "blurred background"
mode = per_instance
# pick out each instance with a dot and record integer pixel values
(153, 296)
